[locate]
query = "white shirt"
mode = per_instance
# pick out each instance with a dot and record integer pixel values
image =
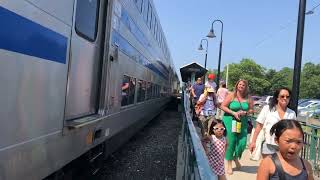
(269, 118)
(209, 108)
(211, 84)
(222, 94)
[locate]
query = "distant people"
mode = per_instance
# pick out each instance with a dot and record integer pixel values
(197, 90)
(236, 106)
(210, 82)
(215, 146)
(286, 163)
(270, 114)
(206, 109)
(221, 95)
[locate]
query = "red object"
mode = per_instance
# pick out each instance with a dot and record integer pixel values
(211, 76)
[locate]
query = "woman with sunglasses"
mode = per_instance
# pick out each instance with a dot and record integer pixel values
(270, 114)
(236, 106)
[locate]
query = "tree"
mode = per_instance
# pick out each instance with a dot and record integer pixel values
(247, 69)
(283, 78)
(310, 81)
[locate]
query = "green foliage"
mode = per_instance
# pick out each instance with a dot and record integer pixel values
(264, 81)
(283, 78)
(310, 81)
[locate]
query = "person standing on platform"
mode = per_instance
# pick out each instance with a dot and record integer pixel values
(215, 147)
(236, 106)
(286, 163)
(210, 82)
(206, 109)
(197, 90)
(222, 93)
(270, 114)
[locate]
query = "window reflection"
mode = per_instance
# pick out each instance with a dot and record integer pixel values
(128, 90)
(141, 90)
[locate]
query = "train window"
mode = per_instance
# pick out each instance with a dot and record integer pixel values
(149, 91)
(153, 91)
(141, 90)
(128, 90)
(87, 18)
(158, 91)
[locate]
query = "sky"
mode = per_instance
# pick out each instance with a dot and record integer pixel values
(264, 31)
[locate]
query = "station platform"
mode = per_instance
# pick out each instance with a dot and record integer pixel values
(248, 170)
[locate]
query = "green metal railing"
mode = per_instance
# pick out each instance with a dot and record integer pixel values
(193, 162)
(311, 147)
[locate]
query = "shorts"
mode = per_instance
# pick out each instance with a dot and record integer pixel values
(269, 148)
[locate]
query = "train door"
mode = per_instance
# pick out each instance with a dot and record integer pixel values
(114, 81)
(86, 58)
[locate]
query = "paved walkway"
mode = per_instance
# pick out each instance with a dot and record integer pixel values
(248, 170)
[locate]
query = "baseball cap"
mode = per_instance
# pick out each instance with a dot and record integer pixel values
(211, 76)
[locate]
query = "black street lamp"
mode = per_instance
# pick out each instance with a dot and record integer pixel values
(201, 48)
(212, 35)
(298, 54)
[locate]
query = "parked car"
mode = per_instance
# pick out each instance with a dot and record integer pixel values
(256, 100)
(263, 101)
(307, 113)
(303, 100)
(308, 104)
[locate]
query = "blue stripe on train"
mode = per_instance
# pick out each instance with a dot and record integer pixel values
(21, 35)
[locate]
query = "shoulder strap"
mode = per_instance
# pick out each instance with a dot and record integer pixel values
(304, 167)
(239, 103)
(278, 165)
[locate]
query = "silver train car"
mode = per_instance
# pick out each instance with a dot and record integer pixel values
(76, 76)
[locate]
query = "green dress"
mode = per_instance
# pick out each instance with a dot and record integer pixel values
(236, 141)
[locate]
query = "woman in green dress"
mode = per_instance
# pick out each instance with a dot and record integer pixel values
(236, 106)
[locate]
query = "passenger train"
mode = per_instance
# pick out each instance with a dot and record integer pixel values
(78, 78)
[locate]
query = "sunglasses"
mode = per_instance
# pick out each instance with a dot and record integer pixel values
(221, 129)
(283, 96)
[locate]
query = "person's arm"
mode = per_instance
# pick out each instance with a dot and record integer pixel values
(204, 141)
(309, 169)
(201, 99)
(192, 92)
(257, 130)
(225, 106)
(259, 125)
(250, 110)
(264, 169)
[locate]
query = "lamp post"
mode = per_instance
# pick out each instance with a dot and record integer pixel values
(201, 48)
(212, 35)
(298, 54)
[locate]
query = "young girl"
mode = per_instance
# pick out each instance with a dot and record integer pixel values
(215, 147)
(286, 163)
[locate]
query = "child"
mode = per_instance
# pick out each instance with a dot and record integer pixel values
(286, 163)
(215, 146)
